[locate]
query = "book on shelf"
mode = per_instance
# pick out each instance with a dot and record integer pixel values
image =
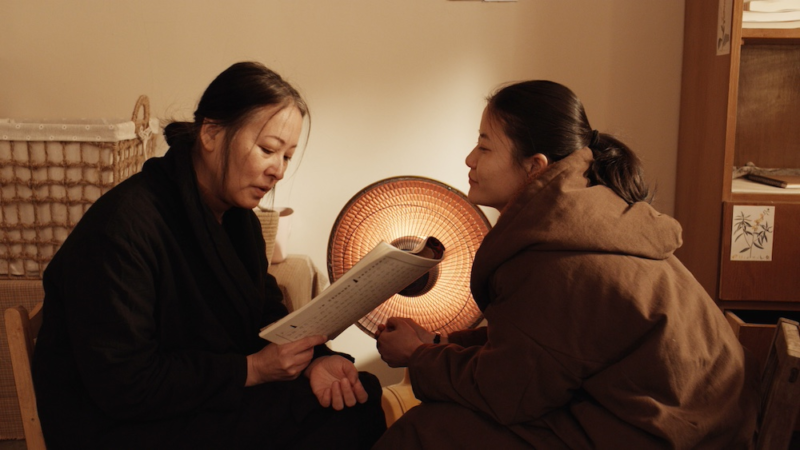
(760, 17)
(772, 5)
(383, 272)
(781, 181)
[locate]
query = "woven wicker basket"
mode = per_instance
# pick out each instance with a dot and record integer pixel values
(51, 172)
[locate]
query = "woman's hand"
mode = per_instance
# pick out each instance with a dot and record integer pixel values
(334, 380)
(281, 362)
(424, 335)
(398, 339)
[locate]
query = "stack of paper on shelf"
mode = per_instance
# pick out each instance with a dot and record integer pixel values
(771, 14)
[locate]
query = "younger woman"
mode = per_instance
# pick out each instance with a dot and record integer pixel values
(597, 336)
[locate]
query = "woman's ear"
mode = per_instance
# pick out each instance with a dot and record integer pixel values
(535, 164)
(210, 135)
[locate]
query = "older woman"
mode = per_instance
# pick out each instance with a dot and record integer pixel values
(154, 303)
(597, 336)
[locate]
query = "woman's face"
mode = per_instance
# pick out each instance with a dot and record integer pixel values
(494, 176)
(259, 154)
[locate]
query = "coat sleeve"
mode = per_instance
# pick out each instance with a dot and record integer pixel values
(111, 323)
(544, 338)
(517, 375)
(510, 378)
(468, 338)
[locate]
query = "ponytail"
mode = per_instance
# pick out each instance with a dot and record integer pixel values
(617, 167)
(541, 116)
(179, 134)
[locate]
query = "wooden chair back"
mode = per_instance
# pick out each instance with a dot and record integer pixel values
(21, 330)
(780, 388)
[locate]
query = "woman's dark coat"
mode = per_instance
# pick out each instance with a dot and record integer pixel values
(150, 309)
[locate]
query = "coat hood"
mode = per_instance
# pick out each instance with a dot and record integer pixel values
(559, 212)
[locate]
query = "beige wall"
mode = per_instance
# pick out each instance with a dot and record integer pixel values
(396, 87)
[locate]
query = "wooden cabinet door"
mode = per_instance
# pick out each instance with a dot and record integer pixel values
(773, 280)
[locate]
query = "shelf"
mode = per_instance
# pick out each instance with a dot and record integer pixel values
(738, 109)
(744, 186)
(771, 35)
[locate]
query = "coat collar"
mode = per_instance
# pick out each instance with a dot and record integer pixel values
(226, 258)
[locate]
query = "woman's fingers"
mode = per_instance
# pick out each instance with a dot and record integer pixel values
(348, 397)
(360, 393)
(336, 396)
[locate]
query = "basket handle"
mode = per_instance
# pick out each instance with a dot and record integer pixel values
(142, 103)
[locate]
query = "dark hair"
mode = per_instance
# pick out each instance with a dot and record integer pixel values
(546, 117)
(230, 99)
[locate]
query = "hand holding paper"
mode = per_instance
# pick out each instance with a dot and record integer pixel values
(383, 272)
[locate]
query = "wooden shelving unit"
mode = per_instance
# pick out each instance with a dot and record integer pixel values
(736, 108)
